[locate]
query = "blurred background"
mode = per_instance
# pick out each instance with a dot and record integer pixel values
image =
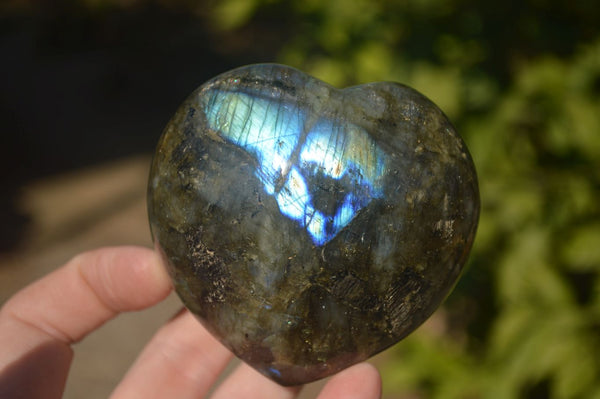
(87, 86)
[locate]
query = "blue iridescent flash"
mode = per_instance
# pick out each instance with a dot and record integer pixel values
(291, 156)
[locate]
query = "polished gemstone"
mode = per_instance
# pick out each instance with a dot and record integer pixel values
(307, 227)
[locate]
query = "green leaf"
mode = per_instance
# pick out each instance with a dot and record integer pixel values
(582, 250)
(232, 14)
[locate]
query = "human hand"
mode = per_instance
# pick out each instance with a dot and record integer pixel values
(39, 324)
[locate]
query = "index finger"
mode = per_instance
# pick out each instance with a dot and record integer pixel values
(77, 298)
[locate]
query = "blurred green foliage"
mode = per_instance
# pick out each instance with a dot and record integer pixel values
(521, 81)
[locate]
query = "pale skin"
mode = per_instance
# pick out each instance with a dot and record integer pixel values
(39, 325)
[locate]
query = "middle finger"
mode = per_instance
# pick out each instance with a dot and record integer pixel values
(181, 361)
(247, 383)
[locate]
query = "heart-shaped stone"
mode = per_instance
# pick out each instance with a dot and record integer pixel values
(307, 227)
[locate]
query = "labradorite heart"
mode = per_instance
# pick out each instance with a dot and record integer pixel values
(307, 227)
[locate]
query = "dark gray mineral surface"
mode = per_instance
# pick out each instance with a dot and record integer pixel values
(309, 228)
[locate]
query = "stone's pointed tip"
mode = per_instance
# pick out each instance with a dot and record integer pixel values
(309, 228)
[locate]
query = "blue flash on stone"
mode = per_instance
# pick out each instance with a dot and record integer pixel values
(264, 128)
(291, 156)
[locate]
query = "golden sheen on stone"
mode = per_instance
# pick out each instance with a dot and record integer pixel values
(309, 228)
